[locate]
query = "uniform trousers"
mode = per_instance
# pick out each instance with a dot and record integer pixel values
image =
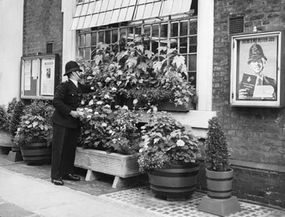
(63, 150)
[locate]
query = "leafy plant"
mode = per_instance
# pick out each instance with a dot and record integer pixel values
(216, 150)
(3, 119)
(166, 142)
(35, 124)
(16, 117)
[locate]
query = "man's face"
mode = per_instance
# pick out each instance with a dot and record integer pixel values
(77, 75)
(256, 66)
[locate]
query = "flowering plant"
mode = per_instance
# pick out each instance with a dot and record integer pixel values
(3, 119)
(166, 142)
(35, 124)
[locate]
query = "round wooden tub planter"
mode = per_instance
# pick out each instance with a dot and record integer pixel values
(178, 181)
(36, 153)
(219, 199)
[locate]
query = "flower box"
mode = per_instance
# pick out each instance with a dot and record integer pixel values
(118, 165)
(171, 107)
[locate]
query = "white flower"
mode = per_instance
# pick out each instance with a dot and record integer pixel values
(135, 101)
(96, 113)
(82, 102)
(89, 116)
(125, 107)
(104, 125)
(92, 88)
(107, 96)
(91, 102)
(156, 140)
(99, 103)
(180, 142)
(114, 89)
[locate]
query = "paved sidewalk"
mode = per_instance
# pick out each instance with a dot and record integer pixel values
(34, 197)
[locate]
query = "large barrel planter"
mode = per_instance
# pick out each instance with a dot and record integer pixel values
(36, 153)
(178, 181)
(219, 184)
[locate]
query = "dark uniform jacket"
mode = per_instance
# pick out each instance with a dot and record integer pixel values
(67, 97)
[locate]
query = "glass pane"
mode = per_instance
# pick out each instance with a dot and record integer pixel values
(139, 12)
(154, 46)
(97, 6)
(155, 30)
(183, 45)
(114, 36)
(93, 53)
(164, 30)
(78, 10)
(111, 5)
(108, 17)
(84, 10)
(115, 16)
(86, 1)
(118, 3)
(186, 6)
(174, 29)
(138, 30)
(80, 22)
(166, 9)
(192, 78)
(101, 37)
(155, 10)
(183, 28)
(192, 62)
(87, 53)
(193, 27)
(123, 13)
(91, 8)
(176, 7)
(173, 43)
(193, 40)
(74, 23)
(81, 53)
(147, 30)
(125, 3)
(94, 38)
(130, 13)
(100, 19)
(104, 5)
(141, 1)
(132, 2)
(87, 21)
(131, 32)
(108, 37)
(94, 20)
(82, 41)
(148, 10)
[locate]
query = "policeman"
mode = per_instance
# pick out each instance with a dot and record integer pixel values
(66, 124)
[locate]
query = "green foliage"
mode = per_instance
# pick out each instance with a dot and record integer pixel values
(217, 154)
(35, 124)
(15, 116)
(109, 130)
(3, 119)
(166, 142)
(135, 74)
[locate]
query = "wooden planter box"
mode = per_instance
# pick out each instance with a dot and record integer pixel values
(118, 165)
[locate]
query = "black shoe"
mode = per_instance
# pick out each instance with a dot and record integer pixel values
(57, 181)
(71, 177)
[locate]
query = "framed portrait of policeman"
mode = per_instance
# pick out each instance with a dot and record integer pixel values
(256, 69)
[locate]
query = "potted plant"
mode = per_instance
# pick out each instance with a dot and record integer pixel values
(34, 133)
(219, 174)
(169, 155)
(5, 138)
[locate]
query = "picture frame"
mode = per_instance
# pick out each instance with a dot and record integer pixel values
(257, 75)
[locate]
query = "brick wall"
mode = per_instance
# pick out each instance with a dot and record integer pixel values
(254, 134)
(42, 24)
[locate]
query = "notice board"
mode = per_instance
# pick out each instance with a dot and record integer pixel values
(39, 76)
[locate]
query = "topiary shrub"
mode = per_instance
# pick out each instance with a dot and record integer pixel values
(216, 150)
(16, 117)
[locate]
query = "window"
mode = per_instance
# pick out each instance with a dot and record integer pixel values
(179, 34)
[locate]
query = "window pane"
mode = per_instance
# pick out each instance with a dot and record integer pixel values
(123, 13)
(104, 5)
(147, 30)
(88, 40)
(193, 44)
(108, 17)
(111, 5)
(186, 5)
(74, 23)
(115, 16)
(114, 36)
(97, 6)
(138, 30)
(81, 40)
(132, 2)
(193, 27)
(84, 10)
(155, 10)
(118, 3)
(78, 10)
(164, 30)
(100, 19)
(154, 46)
(148, 10)
(130, 13)
(183, 45)
(183, 28)
(192, 62)
(81, 22)
(155, 31)
(174, 29)
(94, 20)
(81, 53)
(141, 1)
(87, 21)
(173, 43)
(108, 37)
(87, 54)
(101, 37)
(125, 3)
(94, 38)
(176, 7)
(139, 12)
(166, 9)
(91, 8)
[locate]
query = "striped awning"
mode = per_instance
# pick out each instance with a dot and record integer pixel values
(92, 13)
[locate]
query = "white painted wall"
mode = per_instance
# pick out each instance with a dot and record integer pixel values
(11, 41)
(198, 119)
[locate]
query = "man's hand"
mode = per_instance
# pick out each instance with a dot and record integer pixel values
(74, 114)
